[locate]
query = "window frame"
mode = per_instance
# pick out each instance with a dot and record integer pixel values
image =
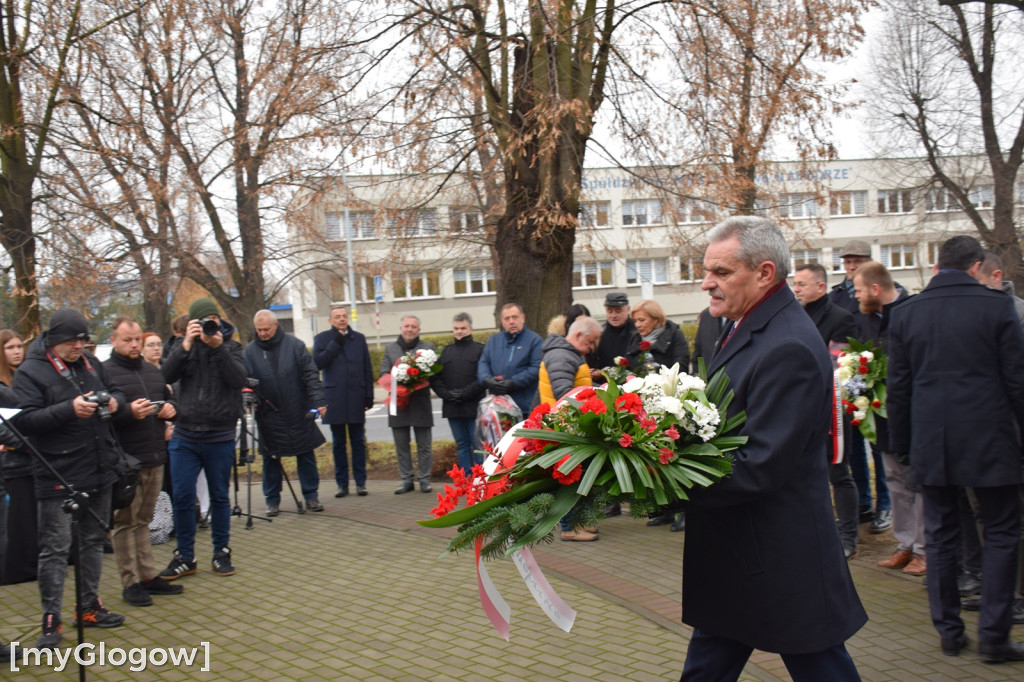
(634, 263)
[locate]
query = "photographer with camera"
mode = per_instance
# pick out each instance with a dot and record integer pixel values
(141, 429)
(288, 398)
(208, 364)
(66, 399)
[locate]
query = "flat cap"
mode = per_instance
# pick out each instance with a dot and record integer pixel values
(856, 247)
(616, 298)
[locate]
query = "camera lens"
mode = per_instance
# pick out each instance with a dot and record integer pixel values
(210, 327)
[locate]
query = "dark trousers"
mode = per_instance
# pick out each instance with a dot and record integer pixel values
(273, 477)
(357, 438)
(22, 558)
(844, 495)
(718, 659)
(1000, 519)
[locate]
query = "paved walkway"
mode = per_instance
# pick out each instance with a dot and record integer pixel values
(359, 592)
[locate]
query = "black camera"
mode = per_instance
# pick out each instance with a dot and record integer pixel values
(102, 401)
(210, 326)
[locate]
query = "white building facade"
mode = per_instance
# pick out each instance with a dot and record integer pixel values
(432, 260)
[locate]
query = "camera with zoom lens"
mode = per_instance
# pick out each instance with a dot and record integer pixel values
(102, 401)
(210, 326)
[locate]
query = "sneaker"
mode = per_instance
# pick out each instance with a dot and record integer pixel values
(158, 586)
(313, 504)
(52, 629)
(178, 567)
(882, 521)
(136, 595)
(222, 562)
(273, 510)
(97, 616)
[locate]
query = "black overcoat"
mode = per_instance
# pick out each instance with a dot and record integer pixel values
(763, 564)
(289, 388)
(460, 359)
(347, 375)
(956, 384)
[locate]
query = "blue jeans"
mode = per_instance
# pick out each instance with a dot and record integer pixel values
(55, 544)
(357, 437)
(464, 432)
(862, 474)
(309, 477)
(216, 459)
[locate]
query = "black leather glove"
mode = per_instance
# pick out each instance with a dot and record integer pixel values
(455, 395)
(368, 403)
(339, 338)
(496, 386)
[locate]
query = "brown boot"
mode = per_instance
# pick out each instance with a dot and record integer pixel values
(578, 535)
(899, 559)
(917, 566)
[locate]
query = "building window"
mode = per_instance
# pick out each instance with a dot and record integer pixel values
(653, 270)
(594, 214)
(983, 196)
(899, 256)
(466, 220)
(848, 203)
(694, 211)
(798, 206)
(479, 281)
(364, 289)
(894, 201)
(589, 275)
(939, 200)
(642, 212)
(798, 257)
(933, 252)
(421, 223)
(691, 269)
(360, 225)
(416, 284)
(837, 261)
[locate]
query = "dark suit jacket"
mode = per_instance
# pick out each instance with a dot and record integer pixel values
(347, 375)
(762, 562)
(709, 328)
(956, 384)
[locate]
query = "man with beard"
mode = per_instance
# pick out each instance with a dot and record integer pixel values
(877, 294)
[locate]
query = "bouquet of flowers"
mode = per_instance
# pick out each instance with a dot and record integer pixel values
(861, 374)
(619, 372)
(495, 415)
(410, 372)
(646, 443)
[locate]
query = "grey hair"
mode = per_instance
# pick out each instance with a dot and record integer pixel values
(587, 326)
(411, 317)
(339, 306)
(269, 314)
(464, 317)
(760, 240)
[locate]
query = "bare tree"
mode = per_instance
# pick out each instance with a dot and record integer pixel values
(947, 82)
(38, 44)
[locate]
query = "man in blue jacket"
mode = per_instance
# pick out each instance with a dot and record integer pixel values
(342, 355)
(510, 364)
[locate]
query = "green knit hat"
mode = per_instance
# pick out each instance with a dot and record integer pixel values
(201, 307)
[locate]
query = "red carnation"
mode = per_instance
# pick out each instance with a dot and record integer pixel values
(876, 404)
(585, 394)
(412, 371)
(863, 359)
(629, 402)
(645, 345)
(569, 478)
(540, 411)
(593, 404)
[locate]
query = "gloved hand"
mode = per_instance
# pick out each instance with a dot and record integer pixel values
(455, 395)
(368, 403)
(496, 386)
(339, 338)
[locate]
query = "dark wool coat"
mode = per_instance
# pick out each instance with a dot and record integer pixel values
(668, 349)
(83, 451)
(347, 375)
(762, 561)
(141, 438)
(614, 342)
(460, 360)
(209, 391)
(956, 384)
(709, 328)
(832, 322)
(419, 411)
(289, 388)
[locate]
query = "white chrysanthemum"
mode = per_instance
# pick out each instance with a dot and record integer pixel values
(401, 371)
(671, 405)
(634, 385)
(425, 358)
(689, 383)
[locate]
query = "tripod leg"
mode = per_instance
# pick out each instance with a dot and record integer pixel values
(298, 504)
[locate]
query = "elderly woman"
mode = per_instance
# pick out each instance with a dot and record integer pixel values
(668, 345)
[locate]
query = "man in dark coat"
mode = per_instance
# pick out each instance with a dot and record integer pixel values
(835, 325)
(141, 430)
(459, 389)
(956, 403)
(207, 363)
(417, 414)
(763, 566)
(342, 355)
(615, 335)
(709, 329)
(54, 386)
(289, 398)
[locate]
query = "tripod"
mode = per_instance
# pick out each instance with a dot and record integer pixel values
(76, 503)
(246, 457)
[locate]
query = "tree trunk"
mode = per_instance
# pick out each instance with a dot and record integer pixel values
(20, 243)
